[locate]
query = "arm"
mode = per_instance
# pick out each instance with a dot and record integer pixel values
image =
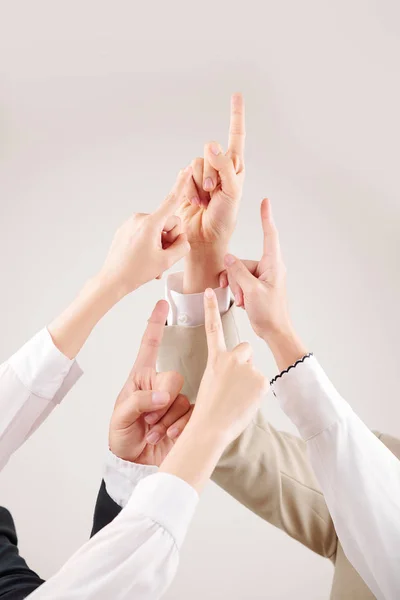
(359, 476)
(137, 554)
(267, 471)
(35, 379)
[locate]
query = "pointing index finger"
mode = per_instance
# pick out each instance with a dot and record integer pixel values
(151, 340)
(213, 324)
(237, 130)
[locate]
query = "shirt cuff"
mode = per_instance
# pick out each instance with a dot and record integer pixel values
(166, 500)
(308, 397)
(43, 369)
(121, 477)
(188, 309)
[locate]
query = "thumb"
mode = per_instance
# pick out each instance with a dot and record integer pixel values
(223, 164)
(177, 250)
(140, 402)
(238, 272)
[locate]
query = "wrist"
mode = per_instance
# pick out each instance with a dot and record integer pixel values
(286, 347)
(202, 267)
(109, 287)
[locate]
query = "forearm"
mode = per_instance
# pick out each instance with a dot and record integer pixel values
(203, 265)
(195, 455)
(71, 329)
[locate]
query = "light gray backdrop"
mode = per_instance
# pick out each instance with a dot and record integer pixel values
(100, 104)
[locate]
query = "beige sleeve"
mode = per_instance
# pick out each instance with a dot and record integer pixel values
(265, 470)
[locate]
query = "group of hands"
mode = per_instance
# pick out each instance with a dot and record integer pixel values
(195, 222)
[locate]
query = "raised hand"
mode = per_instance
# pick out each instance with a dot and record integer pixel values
(210, 207)
(232, 388)
(142, 249)
(230, 393)
(150, 412)
(147, 245)
(260, 288)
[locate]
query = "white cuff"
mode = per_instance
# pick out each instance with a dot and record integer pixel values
(188, 309)
(121, 477)
(308, 397)
(43, 369)
(167, 500)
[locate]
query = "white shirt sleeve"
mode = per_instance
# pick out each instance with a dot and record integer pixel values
(121, 477)
(188, 309)
(135, 556)
(359, 476)
(32, 382)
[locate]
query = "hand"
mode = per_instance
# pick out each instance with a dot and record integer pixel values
(150, 412)
(231, 389)
(229, 395)
(211, 204)
(147, 245)
(260, 288)
(144, 247)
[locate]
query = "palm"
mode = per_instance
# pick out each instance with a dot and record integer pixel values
(206, 224)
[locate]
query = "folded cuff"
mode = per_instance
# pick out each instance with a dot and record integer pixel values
(188, 309)
(43, 369)
(167, 500)
(121, 477)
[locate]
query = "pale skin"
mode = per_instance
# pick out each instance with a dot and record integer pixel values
(143, 248)
(229, 396)
(260, 288)
(150, 412)
(211, 203)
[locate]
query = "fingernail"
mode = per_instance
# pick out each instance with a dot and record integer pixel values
(153, 437)
(208, 184)
(188, 170)
(159, 398)
(195, 200)
(229, 260)
(214, 149)
(173, 432)
(237, 299)
(151, 418)
(209, 293)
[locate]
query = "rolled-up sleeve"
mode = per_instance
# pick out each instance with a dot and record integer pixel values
(135, 556)
(359, 476)
(32, 382)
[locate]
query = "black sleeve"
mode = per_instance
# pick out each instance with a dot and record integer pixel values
(105, 510)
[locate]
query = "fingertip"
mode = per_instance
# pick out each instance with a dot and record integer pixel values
(209, 294)
(208, 184)
(160, 398)
(229, 260)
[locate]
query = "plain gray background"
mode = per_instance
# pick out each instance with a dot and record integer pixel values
(100, 104)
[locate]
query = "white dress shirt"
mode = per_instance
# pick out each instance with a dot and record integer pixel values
(137, 554)
(359, 476)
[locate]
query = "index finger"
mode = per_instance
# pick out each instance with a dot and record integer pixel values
(174, 198)
(237, 128)
(151, 340)
(213, 324)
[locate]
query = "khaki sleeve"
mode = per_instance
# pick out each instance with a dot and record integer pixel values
(265, 470)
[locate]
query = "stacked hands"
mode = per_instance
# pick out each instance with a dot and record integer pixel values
(195, 222)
